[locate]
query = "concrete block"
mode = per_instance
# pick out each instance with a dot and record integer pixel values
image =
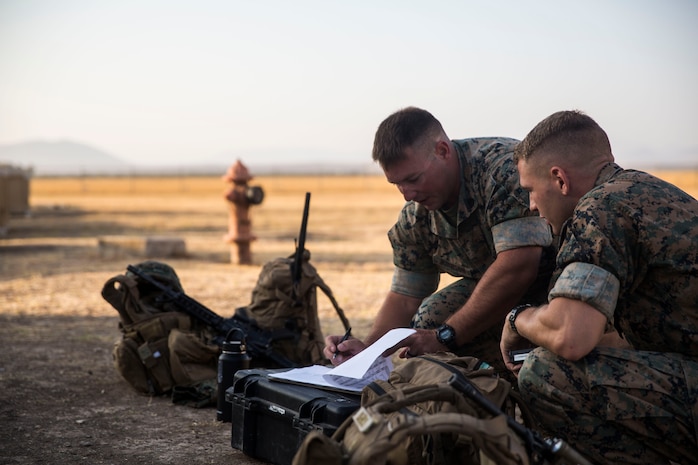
(165, 247)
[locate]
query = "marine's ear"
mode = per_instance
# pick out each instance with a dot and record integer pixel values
(561, 179)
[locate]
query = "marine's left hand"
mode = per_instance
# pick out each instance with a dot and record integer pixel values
(512, 341)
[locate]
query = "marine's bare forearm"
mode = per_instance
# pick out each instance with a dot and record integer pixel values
(501, 287)
(397, 311)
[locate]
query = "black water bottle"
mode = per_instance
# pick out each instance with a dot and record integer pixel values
(233, 358)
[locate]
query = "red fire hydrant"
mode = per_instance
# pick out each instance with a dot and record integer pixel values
(241, 196)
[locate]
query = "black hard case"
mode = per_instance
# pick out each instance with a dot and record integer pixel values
(271, 418)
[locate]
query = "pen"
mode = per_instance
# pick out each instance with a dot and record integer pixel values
(344, 338)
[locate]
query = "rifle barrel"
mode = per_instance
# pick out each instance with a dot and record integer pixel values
(304, 224)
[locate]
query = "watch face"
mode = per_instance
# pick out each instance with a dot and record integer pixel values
(446, 334)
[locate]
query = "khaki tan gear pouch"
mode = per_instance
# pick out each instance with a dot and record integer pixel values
(142, 356)
(146, 366)
(191, 359)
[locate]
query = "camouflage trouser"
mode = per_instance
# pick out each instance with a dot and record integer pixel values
(616, 405)
(436, 309)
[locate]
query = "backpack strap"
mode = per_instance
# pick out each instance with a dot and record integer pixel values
(112, 293)
(410, 395)
(116, 291)
(328, 292)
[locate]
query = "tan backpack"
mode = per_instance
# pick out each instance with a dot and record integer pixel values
(394, 434)
(160, 348)
(282, 303)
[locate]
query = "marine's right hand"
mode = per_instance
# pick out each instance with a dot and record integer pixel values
(344, 350)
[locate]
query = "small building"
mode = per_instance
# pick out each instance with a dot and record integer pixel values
(14, 194)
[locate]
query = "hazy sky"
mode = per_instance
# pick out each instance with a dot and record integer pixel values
(158, 81)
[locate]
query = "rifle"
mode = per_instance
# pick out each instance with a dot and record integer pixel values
(297, 263)
(541, 450)
(259, 342)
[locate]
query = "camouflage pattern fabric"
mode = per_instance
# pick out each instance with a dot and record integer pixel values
(632, 240)
(616, 405)
(643, 231)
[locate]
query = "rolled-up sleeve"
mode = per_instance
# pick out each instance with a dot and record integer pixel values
(590, 284)
(414, 284)
(521, 232)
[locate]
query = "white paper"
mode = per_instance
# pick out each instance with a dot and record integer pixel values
(352, 375)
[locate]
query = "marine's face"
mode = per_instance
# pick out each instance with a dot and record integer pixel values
(422, 177)
(546, 195)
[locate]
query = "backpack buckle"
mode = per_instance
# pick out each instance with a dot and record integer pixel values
(364, 419)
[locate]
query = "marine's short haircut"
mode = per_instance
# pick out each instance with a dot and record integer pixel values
(400, 131)
(567, 132)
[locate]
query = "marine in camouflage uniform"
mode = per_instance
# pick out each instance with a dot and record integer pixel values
(630, 252)
(492, 216)
(465, 215)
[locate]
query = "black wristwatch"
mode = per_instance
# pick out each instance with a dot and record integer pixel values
(446, 335)
(514, 313)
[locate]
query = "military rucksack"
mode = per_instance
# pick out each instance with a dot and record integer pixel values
(282, 303)
(418, 418)
(161, 348)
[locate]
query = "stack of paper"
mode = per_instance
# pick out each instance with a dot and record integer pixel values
(352, 375)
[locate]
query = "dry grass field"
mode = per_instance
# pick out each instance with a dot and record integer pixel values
(62, 402)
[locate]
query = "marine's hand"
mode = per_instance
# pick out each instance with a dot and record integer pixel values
(343, 350)
(511, 341)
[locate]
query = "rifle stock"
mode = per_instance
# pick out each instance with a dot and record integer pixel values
(259, 343)
(542, 451)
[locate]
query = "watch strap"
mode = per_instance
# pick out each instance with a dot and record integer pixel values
(514, 313)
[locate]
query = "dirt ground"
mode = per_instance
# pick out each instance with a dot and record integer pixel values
(62, 401)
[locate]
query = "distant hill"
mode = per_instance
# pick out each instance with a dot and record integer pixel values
(61, 158)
